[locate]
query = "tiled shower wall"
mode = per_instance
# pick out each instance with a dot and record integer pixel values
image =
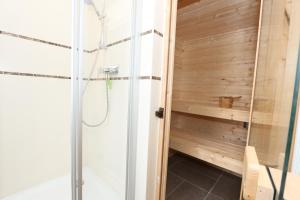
(35, 59)
(35, 55)
(105, 146)
(35, 93)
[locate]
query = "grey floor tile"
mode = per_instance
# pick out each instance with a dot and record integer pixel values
(175, 159)
(172, 183)
(228, 187)
(213, 197)
(193, 175)
(187, 191)
(203, 168)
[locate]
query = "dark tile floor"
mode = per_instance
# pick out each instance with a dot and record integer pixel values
(192, 179)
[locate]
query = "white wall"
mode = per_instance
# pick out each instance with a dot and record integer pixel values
(34, 111)
(150, 96)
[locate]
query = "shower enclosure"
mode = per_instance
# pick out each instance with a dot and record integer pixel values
(69, 97)
(104, 79)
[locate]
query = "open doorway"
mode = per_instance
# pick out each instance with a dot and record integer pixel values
(212, 52)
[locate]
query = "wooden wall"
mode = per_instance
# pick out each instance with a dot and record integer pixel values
(214, 57)
(275, 80)
(217, 52)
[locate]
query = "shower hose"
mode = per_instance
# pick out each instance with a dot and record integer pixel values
(96, 124)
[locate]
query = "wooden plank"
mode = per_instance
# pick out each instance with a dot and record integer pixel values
(214, 17)
(221, 130)
(166, 100)
(217, 55)
(250, 174)
(265, 189)
(223, 113)
(184, 3)
(220, 154)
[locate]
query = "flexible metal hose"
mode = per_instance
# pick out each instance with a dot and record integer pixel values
(107, 107)
(101, 45)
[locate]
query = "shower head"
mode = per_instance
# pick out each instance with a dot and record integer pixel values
(91, 3)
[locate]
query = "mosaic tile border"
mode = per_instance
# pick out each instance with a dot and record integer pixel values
(68, 77)
(69, 47)
(34, 39)
(128, 39)
(33, 75)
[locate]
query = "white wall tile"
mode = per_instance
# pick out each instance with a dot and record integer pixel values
(159, 16)
(19, 55)
(43, 19)
(157, 56)
(143, 138)
(146, 55)
(105, 146)
(34, 139)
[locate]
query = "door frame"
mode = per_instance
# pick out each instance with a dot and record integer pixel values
(76, 100)
(166, 96)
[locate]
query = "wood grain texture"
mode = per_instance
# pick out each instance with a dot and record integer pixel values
(214, 152)
(217, 141)
(277, 60)
(223, 113)
(250, 174)
(214, 57)
(265, 189)
(166, 100)
(184, 3)
(213, 60)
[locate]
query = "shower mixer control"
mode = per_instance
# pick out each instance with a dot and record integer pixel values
(111, 69)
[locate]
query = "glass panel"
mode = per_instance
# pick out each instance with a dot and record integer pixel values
(106, 69)
(35, 40)
(273, 87)
(290, 133)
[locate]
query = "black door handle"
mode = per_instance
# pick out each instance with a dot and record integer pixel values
(160, 113)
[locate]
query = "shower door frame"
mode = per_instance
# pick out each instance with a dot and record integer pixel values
(76, 98)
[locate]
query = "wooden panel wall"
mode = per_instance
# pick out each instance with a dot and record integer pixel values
(215, 57)
(215, 129)
(218, 43)
(275, 80)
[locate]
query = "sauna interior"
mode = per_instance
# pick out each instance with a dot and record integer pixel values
(213, 80)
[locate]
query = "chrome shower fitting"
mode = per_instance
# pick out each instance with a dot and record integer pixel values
(113, 69)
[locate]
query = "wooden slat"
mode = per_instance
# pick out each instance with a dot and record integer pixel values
(217, 53)
(184, 3)
(224, 113)
(214, 17)
(227, 131)
(265, 189)
(214, 57)
(218, 153)
(250, 174)
(166, 101)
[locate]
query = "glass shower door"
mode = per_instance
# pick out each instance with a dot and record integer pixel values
(104, 86)
(272, 116)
